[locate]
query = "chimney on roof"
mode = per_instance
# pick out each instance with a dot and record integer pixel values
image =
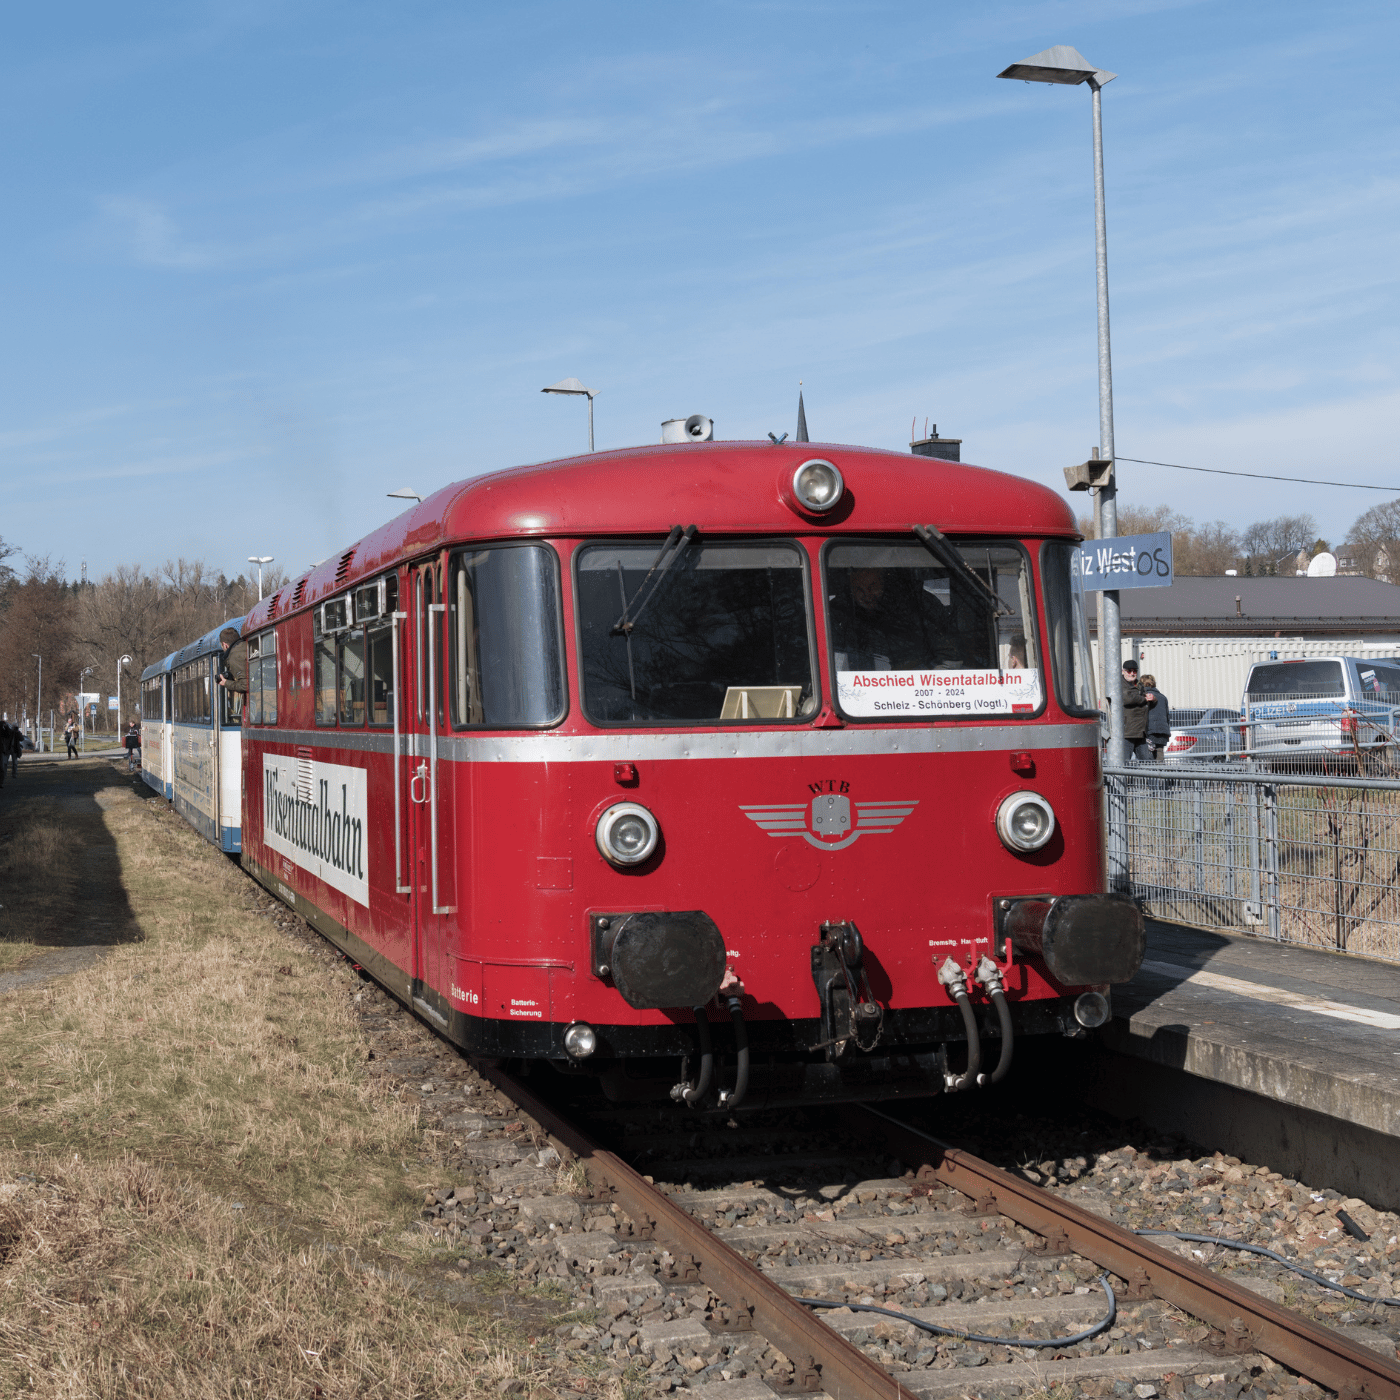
(1239, 611)
(931, 445)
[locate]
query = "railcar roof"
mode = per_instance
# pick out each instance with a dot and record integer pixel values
(723, 487)
(159, 668)
(207, 644)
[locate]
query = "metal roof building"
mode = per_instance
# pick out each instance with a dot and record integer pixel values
(1200, 636)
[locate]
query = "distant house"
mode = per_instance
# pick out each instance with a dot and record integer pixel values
(1200, 636)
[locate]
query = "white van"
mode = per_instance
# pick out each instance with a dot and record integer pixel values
(1321, 707)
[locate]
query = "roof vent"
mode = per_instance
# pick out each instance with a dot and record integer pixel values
(275, 607)
(931, 445)
(696, 428)
(342, 570)
(299, 592)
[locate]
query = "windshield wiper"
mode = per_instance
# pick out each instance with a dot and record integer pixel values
(679, 539)
(939, 546)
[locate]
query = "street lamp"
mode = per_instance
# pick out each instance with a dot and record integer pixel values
(121, 661)
(572, 386)
(39, 703)
(82, 708)
(259, 560)
(1064, 65)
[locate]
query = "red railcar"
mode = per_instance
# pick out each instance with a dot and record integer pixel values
(571, 757)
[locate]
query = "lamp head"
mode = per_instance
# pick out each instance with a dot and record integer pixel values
(1060, 64)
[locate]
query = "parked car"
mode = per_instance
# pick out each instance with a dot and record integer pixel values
(1205, 735)
(1321, 709)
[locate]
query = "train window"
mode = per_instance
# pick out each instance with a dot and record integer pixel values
(507, 667)
(1067, 628)
(255, 680)
(367, 602)
(335, 615)
(916, 634)
(267, 679)
(695, 635)
(351, 646)
(379, 643)
(325, 674)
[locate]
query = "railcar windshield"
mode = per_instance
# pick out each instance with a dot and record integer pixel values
(697, 633)
(916, 635)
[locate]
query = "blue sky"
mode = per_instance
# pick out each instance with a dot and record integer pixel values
(265, 260)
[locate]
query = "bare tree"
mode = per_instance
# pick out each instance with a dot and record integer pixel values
(1373, 542)
(1267, 544)
(36, 621)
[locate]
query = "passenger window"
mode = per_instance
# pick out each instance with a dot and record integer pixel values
(268, 685)
(351, 645)
(381, 675)
(325, 676)
(254, 681)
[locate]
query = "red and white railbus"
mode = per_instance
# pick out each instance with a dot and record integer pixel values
(718, 770)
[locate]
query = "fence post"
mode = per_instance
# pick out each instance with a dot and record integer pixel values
(1198, 831)
(1271, 888)
(1115, 791)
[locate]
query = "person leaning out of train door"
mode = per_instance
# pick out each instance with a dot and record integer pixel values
(1135, 707)
(1159, 724)
(233, 665)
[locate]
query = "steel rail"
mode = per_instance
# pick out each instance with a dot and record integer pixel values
(1245, 1321)
(822, 1358)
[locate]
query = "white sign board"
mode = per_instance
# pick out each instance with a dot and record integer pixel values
(897, 694)
(111, 702)
(317, 815)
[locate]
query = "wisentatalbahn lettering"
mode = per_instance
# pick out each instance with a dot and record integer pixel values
(316, 829)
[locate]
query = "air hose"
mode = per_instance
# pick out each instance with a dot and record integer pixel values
(735, 1096)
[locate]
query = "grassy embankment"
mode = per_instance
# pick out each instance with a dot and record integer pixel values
(201, 1191)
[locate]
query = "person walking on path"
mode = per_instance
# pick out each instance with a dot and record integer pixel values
(133, 745)
(1134, 717)
(70, 736)
(13, 745)
(1159, 718)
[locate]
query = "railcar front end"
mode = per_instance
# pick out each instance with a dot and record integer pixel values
(156, 727)
(717, 771)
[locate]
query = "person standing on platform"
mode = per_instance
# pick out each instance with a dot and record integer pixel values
(1134, 717)
(1159, 718)
(70, 736)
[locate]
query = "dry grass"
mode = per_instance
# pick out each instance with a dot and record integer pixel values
(201, 1192)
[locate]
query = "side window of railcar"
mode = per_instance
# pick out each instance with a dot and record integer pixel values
(507, 667)
(375, 605)
(922, 635)
(1070, 657)
(703, 634)
(350, 647)
(255, 680)
(269, 677)
(324, 646)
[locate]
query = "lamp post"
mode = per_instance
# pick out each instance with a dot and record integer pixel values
(82, 708)
(572, 386)
(121, 661)
(39, 703)
(260, 560)
(1064, 65)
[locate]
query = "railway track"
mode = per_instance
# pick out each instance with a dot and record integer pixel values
(953, 1241)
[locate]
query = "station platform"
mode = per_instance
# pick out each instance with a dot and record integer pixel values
(1290, 1055)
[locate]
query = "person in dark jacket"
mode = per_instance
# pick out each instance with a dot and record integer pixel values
(1159, 718)
(233, 665)
(1135, 707)
(132, 743)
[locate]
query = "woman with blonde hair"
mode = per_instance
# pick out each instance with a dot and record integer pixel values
(1159, 719)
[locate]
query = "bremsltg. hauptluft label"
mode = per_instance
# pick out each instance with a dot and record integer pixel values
(316, 814)
(909, 694)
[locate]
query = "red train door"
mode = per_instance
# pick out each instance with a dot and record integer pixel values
(429, 825)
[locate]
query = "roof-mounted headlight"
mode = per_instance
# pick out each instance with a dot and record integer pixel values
(627, 833)
(817, 486)
(1025, 822)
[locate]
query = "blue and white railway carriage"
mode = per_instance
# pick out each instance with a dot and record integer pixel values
(155, 726)
(206, 743)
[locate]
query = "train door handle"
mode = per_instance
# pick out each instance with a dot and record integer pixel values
(421, 776)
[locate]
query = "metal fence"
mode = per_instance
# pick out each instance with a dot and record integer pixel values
(1312, 859)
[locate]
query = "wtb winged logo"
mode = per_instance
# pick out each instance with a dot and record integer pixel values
(831, 821)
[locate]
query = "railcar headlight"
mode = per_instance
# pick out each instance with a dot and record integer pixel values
(580, 1041)
(627, 834)
(1091, 1010)
(817, 485)
(1025, 821)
